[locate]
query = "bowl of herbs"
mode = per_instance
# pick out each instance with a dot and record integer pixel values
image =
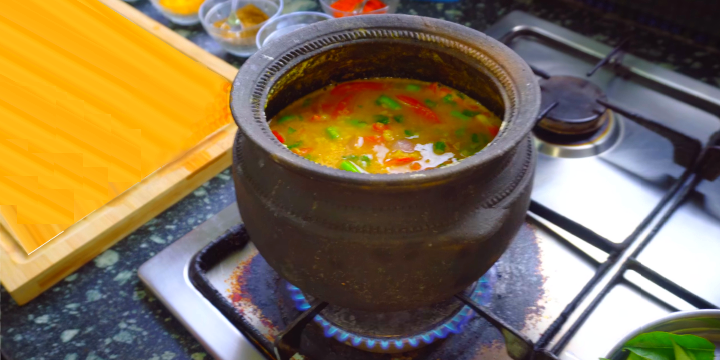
(684, 335)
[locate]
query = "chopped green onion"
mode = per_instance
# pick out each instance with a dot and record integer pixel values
(408, 133)
(430, 103)
(459, 115)
(461, 95)
(287, 118)
(439, 147)
(448, 99)
(295, 145)
(357, 123)
(332, 132)
(350, 157)
(475, 138)
(386, 102)
(365, 160)
(412, 87)
(382, 119)
(460, 132)
(398, 118)
(291, 130)
(348, 166)
(470, 113)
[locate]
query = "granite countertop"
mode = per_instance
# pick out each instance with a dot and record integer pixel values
(103, 311)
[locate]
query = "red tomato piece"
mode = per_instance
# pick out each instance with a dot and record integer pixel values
(399, 161)
(373, 5)
(419, 108)
(345, 5)
(345, 88)
(342, 107)
(278, 136)
(380, 127)
(415, 166)
(493, 130)
(433, 87)
(375, 139)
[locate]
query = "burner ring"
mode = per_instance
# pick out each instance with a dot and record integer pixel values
(480, 293)
(604, 139)
(577, 112)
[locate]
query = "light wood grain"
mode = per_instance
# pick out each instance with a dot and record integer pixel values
(26, 276)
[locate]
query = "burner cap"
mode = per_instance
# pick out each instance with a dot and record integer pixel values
(577, 111)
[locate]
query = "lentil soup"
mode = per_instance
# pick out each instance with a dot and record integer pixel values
(385, 125)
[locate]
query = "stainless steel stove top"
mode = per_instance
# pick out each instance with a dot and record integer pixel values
(624, 231)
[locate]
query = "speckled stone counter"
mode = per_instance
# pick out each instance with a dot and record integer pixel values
(104, 312)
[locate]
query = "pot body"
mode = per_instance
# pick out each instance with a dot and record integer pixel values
(383, 242)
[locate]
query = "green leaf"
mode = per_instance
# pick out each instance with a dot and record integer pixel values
(660, 345)
(680, 353)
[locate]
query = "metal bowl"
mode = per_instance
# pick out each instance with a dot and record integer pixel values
(703, 323)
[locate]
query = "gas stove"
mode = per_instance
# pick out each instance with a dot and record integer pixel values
(623, 228)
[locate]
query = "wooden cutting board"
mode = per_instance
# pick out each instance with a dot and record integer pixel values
(131, 204)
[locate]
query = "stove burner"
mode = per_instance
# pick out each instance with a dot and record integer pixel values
(577, 112)
(378, 332)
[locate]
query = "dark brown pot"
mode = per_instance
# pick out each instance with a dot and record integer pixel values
(383, 242)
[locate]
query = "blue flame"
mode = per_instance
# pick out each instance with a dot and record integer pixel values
(455, 325)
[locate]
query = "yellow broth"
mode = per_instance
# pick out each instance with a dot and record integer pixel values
(385, 125)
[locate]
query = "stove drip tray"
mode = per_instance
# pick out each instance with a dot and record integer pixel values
(261, 305)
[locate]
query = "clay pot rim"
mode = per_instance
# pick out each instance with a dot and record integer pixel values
(521, 93)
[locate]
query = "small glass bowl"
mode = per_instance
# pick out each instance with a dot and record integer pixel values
(240, 42)
(281, 25)
(390, 8)
(186, 16)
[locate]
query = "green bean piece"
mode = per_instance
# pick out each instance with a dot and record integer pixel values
(459, 115)
(448, 99)
(439, 147)
(475, 138)
(408, 132)
(398, 118)
(412, 87)
(470, 113)
(348, 166)
(382, 119)
(365, 160)
(295, 145)
(357, 123)
(287, 118)
(430, 103)
(387, 102)
(332, 132)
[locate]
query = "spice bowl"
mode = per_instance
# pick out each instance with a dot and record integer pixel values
(241, 42)
(372, 7)
(181, 12)
(285, 24)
